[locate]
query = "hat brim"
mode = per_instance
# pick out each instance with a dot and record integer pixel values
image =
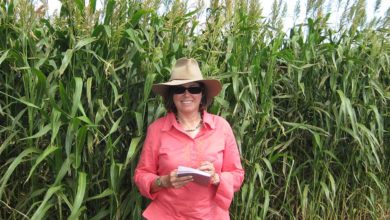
(213, 87)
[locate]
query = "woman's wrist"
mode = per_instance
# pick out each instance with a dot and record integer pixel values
(159, 182)
(162, 181)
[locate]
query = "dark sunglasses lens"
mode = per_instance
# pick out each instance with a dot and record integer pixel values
(178, 90)
(195, 90)
(181, 90)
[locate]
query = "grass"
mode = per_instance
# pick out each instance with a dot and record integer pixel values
(309, 108)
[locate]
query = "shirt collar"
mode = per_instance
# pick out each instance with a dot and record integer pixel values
(208, 119)
(170, 121)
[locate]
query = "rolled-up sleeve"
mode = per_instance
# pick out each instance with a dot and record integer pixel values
(232, 174)
(146, 171)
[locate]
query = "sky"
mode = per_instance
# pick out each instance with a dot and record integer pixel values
(54, 6)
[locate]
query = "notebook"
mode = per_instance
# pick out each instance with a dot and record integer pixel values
(199, 176)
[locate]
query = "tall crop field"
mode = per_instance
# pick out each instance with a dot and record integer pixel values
(310, 107)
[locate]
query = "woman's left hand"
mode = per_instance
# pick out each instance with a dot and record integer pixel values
(208, 167)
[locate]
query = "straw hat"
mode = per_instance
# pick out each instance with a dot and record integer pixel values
(186, 71)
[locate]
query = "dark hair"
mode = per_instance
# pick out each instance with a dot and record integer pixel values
(170, 105)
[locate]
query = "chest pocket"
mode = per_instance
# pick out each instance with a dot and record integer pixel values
(171, 156)
(214, 154)
(208, 149)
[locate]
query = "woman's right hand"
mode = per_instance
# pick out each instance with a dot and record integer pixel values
(176, 182)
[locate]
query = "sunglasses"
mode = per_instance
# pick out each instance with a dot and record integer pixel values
(181, 90)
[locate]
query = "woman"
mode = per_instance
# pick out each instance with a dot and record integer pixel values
(188, 136)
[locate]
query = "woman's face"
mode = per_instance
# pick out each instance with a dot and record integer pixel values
(187, 102)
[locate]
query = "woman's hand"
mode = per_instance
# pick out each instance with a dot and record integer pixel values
(208, 167)
(176, 182)
(171, 180)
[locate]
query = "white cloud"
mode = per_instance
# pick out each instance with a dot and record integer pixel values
(55, 5)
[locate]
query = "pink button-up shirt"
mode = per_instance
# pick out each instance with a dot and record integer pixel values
(167, 146)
